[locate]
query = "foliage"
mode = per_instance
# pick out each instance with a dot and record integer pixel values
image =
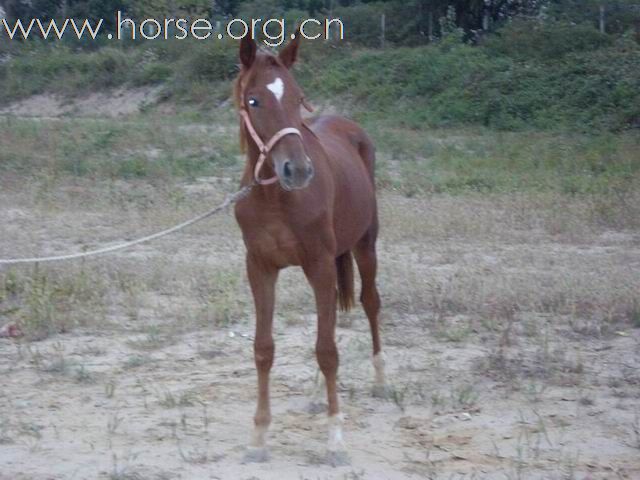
(530, 40)
(408, 22)
(619, 15)
(587, 82)
(60, 68)
(532, 73)
(168, 8)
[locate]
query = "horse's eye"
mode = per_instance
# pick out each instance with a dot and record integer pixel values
(253, 102)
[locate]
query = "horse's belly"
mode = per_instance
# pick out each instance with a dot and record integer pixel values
(350, 229)
(354, 211)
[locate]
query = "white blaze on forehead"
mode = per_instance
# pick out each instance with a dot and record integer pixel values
(277, 88)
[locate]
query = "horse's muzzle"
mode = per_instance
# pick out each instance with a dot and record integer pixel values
(295, 175)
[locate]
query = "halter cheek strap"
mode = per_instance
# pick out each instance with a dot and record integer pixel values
(265, 148)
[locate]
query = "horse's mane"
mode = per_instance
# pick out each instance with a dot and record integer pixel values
(238, 87)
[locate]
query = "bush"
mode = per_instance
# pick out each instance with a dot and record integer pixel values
(529, 40)
(108, 67)
(153, 73)
(59, 69)
(585, 84)
(210, 61)
(531, 75)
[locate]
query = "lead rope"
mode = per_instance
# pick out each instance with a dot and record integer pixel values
(231, 199)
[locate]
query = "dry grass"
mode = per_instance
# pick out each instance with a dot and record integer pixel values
(459, 264)
(496, 306)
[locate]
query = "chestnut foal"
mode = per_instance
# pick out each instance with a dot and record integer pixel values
(314, 206)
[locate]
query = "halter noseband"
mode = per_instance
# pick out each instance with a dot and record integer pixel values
(265, 148)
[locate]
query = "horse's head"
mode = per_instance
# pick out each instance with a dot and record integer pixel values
(271, 99)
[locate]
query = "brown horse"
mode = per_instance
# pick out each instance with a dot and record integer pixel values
(316, 209)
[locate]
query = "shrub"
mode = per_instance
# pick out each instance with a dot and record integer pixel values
(153, 73)
(530, 75)
(210, 61)
(58, 69)
(589, 84)
(527, 40)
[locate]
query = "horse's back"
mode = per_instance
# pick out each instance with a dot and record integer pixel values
(335, 130)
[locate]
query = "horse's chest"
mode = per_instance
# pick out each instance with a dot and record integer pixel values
(274, 242)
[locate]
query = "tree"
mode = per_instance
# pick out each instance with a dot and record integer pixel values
(94, 10)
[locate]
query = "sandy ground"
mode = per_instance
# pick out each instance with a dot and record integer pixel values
(144, 391)
(148, 383)
(121, 101)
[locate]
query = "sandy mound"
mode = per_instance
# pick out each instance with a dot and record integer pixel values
(114, 103)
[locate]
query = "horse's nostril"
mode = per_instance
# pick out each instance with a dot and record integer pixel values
(310, 171)
(287, 170)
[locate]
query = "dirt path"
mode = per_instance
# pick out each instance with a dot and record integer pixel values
(154, 378)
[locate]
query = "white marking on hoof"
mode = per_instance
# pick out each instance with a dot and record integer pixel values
(378, 365)
(336, 442)
(277, 88)
(256, 455)
(259, 437)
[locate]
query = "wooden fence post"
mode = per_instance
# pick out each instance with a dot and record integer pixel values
(485, 16)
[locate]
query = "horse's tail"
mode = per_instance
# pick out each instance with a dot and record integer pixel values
(368, 154)
(346, 297)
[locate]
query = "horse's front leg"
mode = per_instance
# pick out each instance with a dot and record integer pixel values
(262, 279)
(322, 276)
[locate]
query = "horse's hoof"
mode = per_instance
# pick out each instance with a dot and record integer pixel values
(383, 391)
(315, 408)
(256, 455)
(338, 458)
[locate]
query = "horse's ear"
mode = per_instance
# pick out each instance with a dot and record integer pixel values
(289, 54)
(247, 51)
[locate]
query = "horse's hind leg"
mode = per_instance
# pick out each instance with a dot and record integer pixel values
(365, 255)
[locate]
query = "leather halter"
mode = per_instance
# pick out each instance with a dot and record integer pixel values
(265, 148)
